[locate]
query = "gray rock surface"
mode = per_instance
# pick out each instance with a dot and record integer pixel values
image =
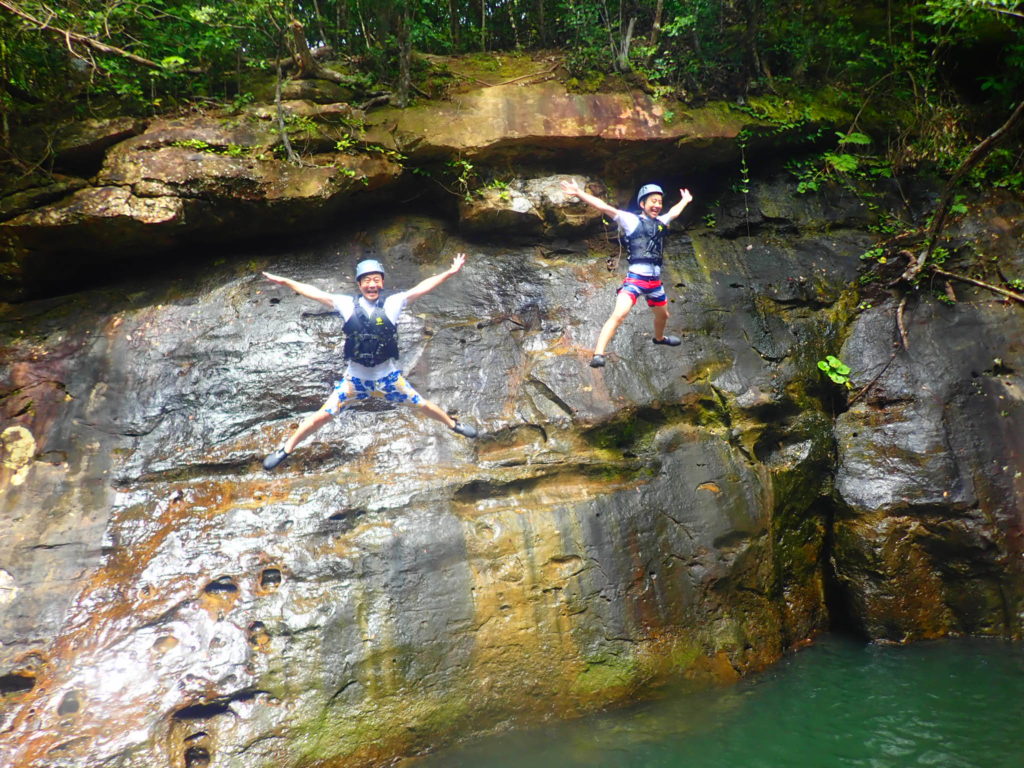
(695, 511)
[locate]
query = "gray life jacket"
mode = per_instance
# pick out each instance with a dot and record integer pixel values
(370, 339)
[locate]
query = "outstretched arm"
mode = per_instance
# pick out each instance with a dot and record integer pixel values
(426, 286)
(303, 289)
(572, 188)
(684, 200)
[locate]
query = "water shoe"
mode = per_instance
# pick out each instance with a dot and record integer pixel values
(274, 459)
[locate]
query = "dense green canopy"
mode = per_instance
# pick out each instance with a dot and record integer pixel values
(722, 45)
(945, 62)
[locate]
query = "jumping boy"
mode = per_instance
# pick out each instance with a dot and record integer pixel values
(370, 351)
(644, 235)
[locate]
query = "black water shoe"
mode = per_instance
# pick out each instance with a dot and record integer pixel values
(672, 341)
(597, 361)
(275, 458)
(464, 429)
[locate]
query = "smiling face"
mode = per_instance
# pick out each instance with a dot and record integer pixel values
(370, 285)
(652, 204)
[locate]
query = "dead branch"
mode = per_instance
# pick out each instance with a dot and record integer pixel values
(513, 80)
(866, 387)
(309, 67)
(980, 283)
(376, 100)
(901, 325)
(292, 157)
(89, 42)
(978, 154)
(290, 62)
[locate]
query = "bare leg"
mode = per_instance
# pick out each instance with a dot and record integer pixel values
(314, 421)
(309, 425)
(623, 303)
(430, 409)
(660, 319)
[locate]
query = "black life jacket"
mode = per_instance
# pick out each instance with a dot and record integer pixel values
(645, 242)
(370, 339)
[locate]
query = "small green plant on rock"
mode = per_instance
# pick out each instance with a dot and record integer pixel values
(836, 370)
(197, 144)
(464, 172)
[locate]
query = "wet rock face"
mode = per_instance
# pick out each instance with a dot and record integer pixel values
(394, 584)
(197, 181)
(686, 511)
(931, 471)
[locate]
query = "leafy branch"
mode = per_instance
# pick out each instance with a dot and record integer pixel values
(70, 37)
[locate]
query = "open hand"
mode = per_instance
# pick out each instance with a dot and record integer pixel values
(457, 262)
(570, 187)
(274, 278)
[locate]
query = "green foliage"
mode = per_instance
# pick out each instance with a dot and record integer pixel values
(197, 144)
(301, 124)
(939, 255)
(230, 150)
(902, 62)
(836, 370)
(464, 173)
(346, 144)
(242, 100)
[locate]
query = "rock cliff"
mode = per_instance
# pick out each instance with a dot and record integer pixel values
(689, 512)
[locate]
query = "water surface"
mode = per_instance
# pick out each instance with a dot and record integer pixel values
(837, 704)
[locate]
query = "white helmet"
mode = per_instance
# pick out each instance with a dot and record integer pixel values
(366, 266)
(648, 189)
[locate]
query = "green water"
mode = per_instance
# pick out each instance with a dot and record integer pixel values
(837, 704)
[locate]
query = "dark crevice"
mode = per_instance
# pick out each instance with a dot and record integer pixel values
(545, 391)
(270, 578)
(222, 585)
(215, 707)
(610, 471)
(197, 757)
(204, 711)
(346, 514)
(189, 472)
(341, 522)
(16, 683)
(632, 429)
(69, 705)
(842, 616)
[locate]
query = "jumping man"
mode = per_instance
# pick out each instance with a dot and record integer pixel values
(370, 351)
(644, 235)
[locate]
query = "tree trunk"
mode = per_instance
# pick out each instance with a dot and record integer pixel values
(483, 25)
(622, 61)
(454, 28)
(308, 65)
(512, 21)
(320, 23)
(404, 55)
(750, 34)
(655, 29)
